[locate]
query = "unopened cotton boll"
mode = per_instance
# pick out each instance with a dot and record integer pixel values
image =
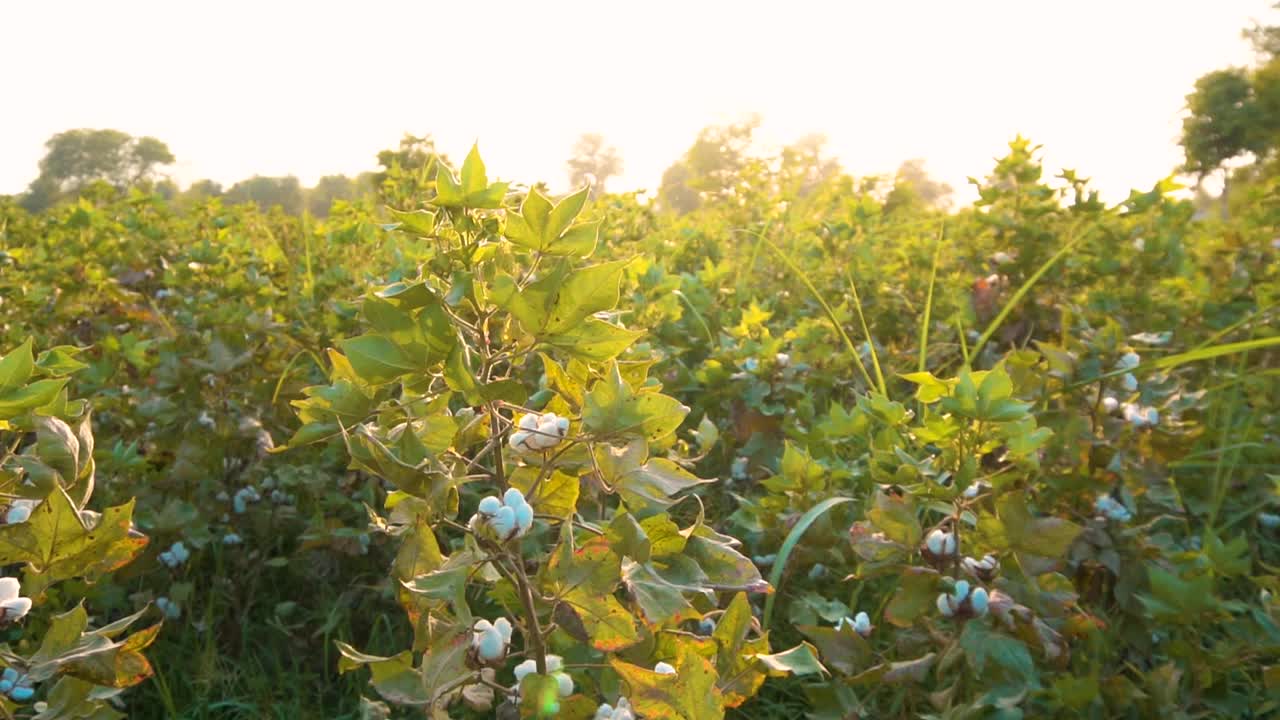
(664, 668)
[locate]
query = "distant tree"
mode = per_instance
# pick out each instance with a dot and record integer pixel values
(913, 186)
(1222, 123)
(592, 163)
(268, 192)
(710, 168)
(329, 189)
(413, 154)
(76, 158)
(805, 166)
(205, 189)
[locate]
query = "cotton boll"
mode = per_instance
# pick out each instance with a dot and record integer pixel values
(944, 605)
(19, 511)
(489, 506)
(564, 684)
(862, 624)
(1129, 382)
(978, 602)
(554, 663)
(503, 626)
(503, 522)
(513, 498)
(1110, 404)
(961, 590)
(525, 668)
(934, 541)
(562, 426)
(519, 441)
(664, 668)
(524, 518)
(491, 646)
(528, 422)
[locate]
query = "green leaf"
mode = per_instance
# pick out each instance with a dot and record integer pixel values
(557, 496)
(789, 545)
(1048, 537)
(612, 408)
(895, 516)
(656, 483)
(56, 544)
(690, 694)
(29, 397)
(916, 594)
(418, 222)
(377, 359)
(799, 660)
(57, 361)
(981, 644)
(585, 291)
(16, 368)
(660, 601)
(593, 340)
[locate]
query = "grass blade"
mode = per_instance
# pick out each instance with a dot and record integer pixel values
(1022, 291)
(928, 303)
(788, 545)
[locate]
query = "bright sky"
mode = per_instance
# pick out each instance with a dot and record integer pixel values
(313, 88)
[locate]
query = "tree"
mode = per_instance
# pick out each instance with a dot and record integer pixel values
(268, 192)
(592, 163)
(329, 189)
(710, 167)
(76, 158)
(1223, 121)
(805, 167)
(913, 186)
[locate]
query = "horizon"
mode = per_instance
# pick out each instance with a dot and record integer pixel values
(1096, 112)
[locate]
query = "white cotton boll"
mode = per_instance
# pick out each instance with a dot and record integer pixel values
(933, 541)
(862, 624)
(978, 602)
(1152, 416)
(1139, 244)
(554, 663)
(949, 544)
(664, 668)
(976, 489)
(231, 539)
(1129, 382)
(503, 626)
(1002, 258)
(564, 684)
(604, 712)
(1110, 404)
(489, 506)
(528, 422)
(513, 498)
(19, 511)
(944, 605)
(524, 518)
(519, 441)
(961, 591)
(782, 359)
(562, 426)
(1269, 521)
(491, 646)
(525, 668)
(480, 627)
(1129, 360)
(503, 522)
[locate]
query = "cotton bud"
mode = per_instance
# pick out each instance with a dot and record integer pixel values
(13, 607)
(664, 668)
(985, 569)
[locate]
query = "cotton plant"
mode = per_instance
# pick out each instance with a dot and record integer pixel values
(55, 538)
(492, 393)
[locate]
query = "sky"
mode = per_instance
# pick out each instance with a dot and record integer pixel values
(315, 88)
